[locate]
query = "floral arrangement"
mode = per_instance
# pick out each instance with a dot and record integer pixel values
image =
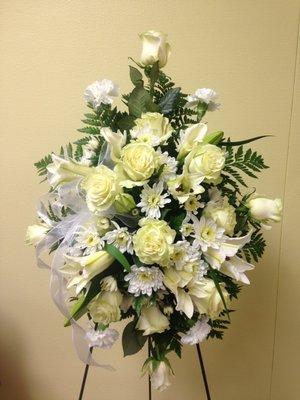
(146, 220)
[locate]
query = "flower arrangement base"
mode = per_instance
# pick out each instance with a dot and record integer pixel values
(202, 368)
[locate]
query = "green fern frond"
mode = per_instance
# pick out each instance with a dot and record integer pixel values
(41, 165)
(255, 248)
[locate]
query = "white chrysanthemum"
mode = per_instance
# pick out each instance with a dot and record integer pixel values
(183, 254)
(169, 165)
(101, 92)
(87, 241)
(208, 96)
(145, 134)
(120, 238)
(152, 200)
(197, 333)
(103, 339)
(192, 204)
(89, 151)
(144, 280)
(207, 234)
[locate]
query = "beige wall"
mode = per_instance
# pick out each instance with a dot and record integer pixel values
(246, 50)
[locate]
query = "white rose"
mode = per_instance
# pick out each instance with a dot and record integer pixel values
(210, 302)
(101, 188)
(206, 160)
(223, 214)
(190, 137)
(265, 210)
(160, 373)
(35, 233)
(101, 92)
(152, 128)
(136, 165)
(155, 48)
(152, 320)
(153, 242)
(105, 308)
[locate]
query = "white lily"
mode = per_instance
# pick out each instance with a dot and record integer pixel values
(81, 270)
(235, 268)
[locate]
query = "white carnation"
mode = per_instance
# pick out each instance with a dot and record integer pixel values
(103, 339)
(197, 333)
(101, 92)
(204, 95)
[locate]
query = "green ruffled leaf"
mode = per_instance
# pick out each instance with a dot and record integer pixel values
(167, 102)
(140, 101)
(132, 340)
(135, 76)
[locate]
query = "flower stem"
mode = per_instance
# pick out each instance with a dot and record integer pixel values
(203, 372)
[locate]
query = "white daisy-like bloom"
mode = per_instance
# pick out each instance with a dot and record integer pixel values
(144, 280)
(197, 333)
(169, 163)
(183, 254)
(152, 200)
(205, 95)
(145, 134)
(101, 92)
(89, 151)
(87, 241)
(207, 234)
(193, 204)
(103, 339)
(120, 238)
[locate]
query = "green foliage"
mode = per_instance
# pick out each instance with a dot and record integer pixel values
(132, 339)
(255, 248)
(114, 252)
(217, 328)
(249, 162)
(103, 116)
(42, 165)
(140, 101)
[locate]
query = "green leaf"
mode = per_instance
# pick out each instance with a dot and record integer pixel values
(167, 102)
(176, 221)
(132, 340)
(219, 289)
(135, 76)
(114, 252)
(241, 142)
(140, 101)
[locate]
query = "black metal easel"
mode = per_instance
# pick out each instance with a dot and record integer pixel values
(203, 372)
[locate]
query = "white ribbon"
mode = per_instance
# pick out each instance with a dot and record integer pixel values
(64, 231)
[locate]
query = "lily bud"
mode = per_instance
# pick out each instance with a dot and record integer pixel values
(124, 203)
